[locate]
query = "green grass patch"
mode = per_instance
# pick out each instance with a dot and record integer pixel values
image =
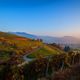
(43, 52)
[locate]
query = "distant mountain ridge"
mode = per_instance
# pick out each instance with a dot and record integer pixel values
(49, 39)
(24, 35)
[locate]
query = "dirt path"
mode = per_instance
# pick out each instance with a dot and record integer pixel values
(26, 59)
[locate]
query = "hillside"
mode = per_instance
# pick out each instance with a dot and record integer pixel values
(45, 51)
(15, 45)
(11, 44)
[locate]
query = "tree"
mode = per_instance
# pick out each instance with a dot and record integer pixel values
(66, 48)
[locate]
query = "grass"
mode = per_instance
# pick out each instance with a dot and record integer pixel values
(43, 52)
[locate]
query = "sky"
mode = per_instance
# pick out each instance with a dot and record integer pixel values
(41, 17)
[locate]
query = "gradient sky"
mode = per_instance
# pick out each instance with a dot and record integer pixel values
(41, 17)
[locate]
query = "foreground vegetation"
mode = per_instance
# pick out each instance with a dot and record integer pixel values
(57, 67)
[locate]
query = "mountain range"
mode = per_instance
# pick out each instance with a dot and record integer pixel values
(49, 39)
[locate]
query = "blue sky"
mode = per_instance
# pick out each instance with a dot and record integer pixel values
(41, 17)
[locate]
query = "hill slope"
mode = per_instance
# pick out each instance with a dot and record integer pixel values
(44, 52)
(15, 45)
